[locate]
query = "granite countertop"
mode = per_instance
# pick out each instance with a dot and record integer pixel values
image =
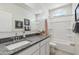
(32, 39)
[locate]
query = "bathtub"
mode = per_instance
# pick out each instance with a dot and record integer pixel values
(64, 46)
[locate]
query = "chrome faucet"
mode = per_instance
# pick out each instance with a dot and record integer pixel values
(16, 38)
(24, 34)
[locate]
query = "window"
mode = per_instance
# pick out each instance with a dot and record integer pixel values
(59, 12)
(62, 11)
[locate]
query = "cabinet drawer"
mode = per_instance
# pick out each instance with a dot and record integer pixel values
(29, 51)
(44, 41)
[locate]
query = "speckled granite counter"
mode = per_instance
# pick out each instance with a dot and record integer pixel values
(33, 39)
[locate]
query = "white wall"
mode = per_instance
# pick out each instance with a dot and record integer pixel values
(40, 19)
(57, 5)
(18, 13)
(76, 36)
(57, 24)
(73, 7)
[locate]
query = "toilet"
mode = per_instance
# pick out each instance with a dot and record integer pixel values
(52, 48)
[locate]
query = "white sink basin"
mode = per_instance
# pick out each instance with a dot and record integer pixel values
(17, 45)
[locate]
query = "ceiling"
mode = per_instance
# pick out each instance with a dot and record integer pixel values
(40, 7)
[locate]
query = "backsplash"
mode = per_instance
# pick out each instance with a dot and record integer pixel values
(10, 39)
(3, 40)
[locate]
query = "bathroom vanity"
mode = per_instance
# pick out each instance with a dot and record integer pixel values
(32, 45)
(39, 48)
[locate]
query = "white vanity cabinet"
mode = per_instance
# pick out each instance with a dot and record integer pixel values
(44, 47)
(41, 48)
(36, 52)
(47, 49)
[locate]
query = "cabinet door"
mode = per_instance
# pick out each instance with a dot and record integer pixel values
(36, 52)
(44, 42)
(47, 49)
(42, 50)
(44, 47)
